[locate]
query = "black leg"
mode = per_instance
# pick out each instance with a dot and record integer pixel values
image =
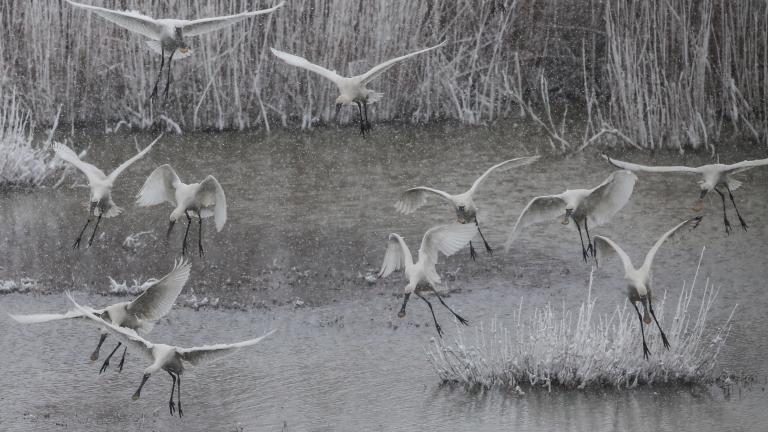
(663, 336)
(487, 246)
(583, 249)
(122, 359)
(93, 234)
(472, 253)
(171, 405)
(402, 309)
(95, 354)
(186, 233)
(106, 361)
(80, 236)
(200, 233)
(725, 215)
(744, 225)
(646, 351)
(168, 81)
(367, 122)
(138, 390)
(458, 317)
(178, 395)
(362, 120)
(160, 74)
(434, 318)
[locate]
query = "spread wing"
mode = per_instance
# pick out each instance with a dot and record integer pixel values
(303, 63)
(91, 172)
(156, 301)
(416, 197)
(113, 175)
(607, 199)
(379, 69)
(693, 223)
(745, 165)
(397, 256)
(159, 187)
(447, 239)
(539, 209)
(654, 169)
(132, 21)
(508, 164)
(211, 197)
(41, 318)
(605, 247)
(207, 353)
(206, 25)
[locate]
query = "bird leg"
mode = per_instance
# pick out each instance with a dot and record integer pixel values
(159, 75)
(458, 317)
(171, 405)
(168, 81)
(95, 355)
(487, 246)
(170, 228)
(725, 215)
(472, 253)
(186, 233)
(122, 359)
(178, 395)
(401, 314)
(434, 318)
(336, 114)
(106, 361)
(744, 225)
(663, 336)
(93, 234)
(365, 110)
(590, 248)
(200, 233)
(138, 390)
(646, 351)
(80, 236)
(583, 249)
(362, 121)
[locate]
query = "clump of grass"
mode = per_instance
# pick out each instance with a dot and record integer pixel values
(580, 349)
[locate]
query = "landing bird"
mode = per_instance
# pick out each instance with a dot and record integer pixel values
(204, 199)
(639, 279)
(715, 176)
(422, 275)
(353, 89)
(584, 206)
(463, 203)
(139, 315)
(166, 357)
(167, 35)
(100, 184)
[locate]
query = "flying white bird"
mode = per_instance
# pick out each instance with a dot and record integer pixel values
(140, 314)
(203, 199)
(463, 203)
(166, 36)
(166, 357)
(639, 279)
(714, 177)
(353, 89)
(584, 206)
(100, 184)
(422, 275)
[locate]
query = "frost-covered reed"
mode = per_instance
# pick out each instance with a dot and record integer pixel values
(549, 348)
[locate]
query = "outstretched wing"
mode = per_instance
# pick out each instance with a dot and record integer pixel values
(132, 21)
(447, 239)
(605, 247)
(693, 223)
(303, 63)
(539, 209)
(607, 199)
(156, 301)
(397, 256)
(416, 197)
(654, 169)
(379, 69)
(745, 165)
(508, 164)
(211, 197)
(41, 318)
(91, 172)
(113, 175)
(207, 353)
(206, 25)
(159, 187)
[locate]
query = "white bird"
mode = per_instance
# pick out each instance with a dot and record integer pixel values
(140, 314)
(463, 203)
(100, 184)
(714, 176)
(166, 36)
(167, 357)
(584, 206)
(639, 279)
(204, 199)
(352, 90)
(422, 275)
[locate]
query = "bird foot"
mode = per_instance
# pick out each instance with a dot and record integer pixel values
(200, 249)
(472, 252)
(439, 330)
(665, 341)
(401, 314)
(136, 396)
(646, 351)
(76, 244)
(104, 366)
(461, 320)
(744, 225)
(171, 406)
(95, 356)
(488, 249)
(584, 254)
(181, 412)
(728, 228)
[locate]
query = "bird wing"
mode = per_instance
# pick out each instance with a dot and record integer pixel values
(206, 25)
(539, 209)
(303, 63)
(605, 247)
(132, 20)
(508, 164)
(416, 197)
(211, 194)
(207, 353)
(113, 175)
(397, 256)
(41, 318)
(745, 165)
(159, 187)
(91, 172)
(605, 200)
(378, 69)
(693, 223)
(125, 335)
(655, 169)
(156, 301)
(447, 239)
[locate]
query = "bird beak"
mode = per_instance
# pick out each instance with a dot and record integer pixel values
(566, 218)
(699, 206)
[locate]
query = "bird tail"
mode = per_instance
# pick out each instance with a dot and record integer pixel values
(733, 184)
(374, 96)
(111, 211)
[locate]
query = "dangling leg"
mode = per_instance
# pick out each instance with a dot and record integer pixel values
(402, 309)
(95, 355)
(646, 351)
(80, 236)
(122, 359)
(168, 81)
(725, 215)
(590, 248)
(362, 121)
(106, 361)
(472, 253)
(138, 390)
(200, 233)
(487, 246)
(171, 405)
(437, 326)
(178, 395)
(93, 234)
(159, 75)
(458, 317)
(663, 336)
(365, 110)
(186, 233)
(583, 249)
(744, 225)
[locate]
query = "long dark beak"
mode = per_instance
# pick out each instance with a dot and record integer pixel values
(138, 391)
(566, 218)
(336, 115)
(699, 205)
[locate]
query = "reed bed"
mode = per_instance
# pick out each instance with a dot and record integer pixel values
(579, 349)
(662, 73)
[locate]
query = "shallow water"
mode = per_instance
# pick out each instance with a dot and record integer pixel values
(309, 215)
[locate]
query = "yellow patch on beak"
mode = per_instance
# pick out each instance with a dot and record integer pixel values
(565, 220)
(183, 50)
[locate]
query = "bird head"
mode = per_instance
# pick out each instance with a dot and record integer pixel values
(567, 217)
